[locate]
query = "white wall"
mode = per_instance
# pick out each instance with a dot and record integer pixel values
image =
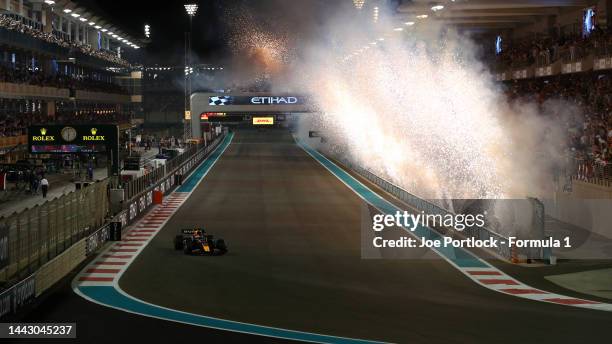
(594, 215)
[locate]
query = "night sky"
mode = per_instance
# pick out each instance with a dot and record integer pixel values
(169, 22)
(216, 23)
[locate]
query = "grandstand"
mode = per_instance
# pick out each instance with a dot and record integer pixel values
(570, 64)
(59, 64)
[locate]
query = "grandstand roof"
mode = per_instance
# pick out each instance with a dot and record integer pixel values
(93, 17)
(489, 14)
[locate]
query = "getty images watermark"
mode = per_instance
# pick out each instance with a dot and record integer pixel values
(423, 225)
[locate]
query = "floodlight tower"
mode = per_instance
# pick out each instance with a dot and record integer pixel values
(191, 10)
(358, 4)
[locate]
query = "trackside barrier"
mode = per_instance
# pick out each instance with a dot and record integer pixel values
(27, 290)
(60, 266)
(32, 237)
(18, 295)
(503, 250)
(97, 239)
(22, 293)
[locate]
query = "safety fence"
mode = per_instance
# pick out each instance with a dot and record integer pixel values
(591, 171)
(138, 185)
(503, 250)
(32, 237)
(22, 293)
(51, 269)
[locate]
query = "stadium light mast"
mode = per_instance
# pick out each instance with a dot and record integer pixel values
(358, 4)
(191, 10)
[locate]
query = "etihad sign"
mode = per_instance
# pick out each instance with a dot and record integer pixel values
(43, 137)
(273, 100)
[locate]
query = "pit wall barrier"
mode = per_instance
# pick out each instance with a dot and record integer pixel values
(171, 174)
(53, 270)
(141, 184)
(503, 251)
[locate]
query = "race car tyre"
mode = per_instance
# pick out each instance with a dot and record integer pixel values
(178, 242)
(220, 245)
(187, 246)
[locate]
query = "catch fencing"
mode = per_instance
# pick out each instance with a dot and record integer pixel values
(138, 185)
(32, 237)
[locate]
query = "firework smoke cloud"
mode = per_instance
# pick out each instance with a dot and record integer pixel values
(417, 107)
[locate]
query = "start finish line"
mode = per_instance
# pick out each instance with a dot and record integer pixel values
(245, 103)
(226, 100)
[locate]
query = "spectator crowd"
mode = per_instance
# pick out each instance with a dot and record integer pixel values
(545, 50)
(18, 26)
(38, 78)
(589, 133)
(20, 76)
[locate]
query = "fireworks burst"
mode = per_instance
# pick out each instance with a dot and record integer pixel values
(266, 49)
(427, 115)
(413, 105)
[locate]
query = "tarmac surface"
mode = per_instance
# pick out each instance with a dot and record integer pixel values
(294, 235)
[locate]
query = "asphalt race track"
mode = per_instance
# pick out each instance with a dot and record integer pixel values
(293, 231)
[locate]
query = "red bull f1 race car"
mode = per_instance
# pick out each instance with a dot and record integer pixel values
(198, 242)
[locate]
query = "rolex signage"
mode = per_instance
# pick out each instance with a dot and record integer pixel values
(75, 139)
(41, 136)
(72, 135)
(93, 136)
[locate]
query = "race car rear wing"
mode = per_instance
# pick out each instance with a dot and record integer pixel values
(190, 231)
